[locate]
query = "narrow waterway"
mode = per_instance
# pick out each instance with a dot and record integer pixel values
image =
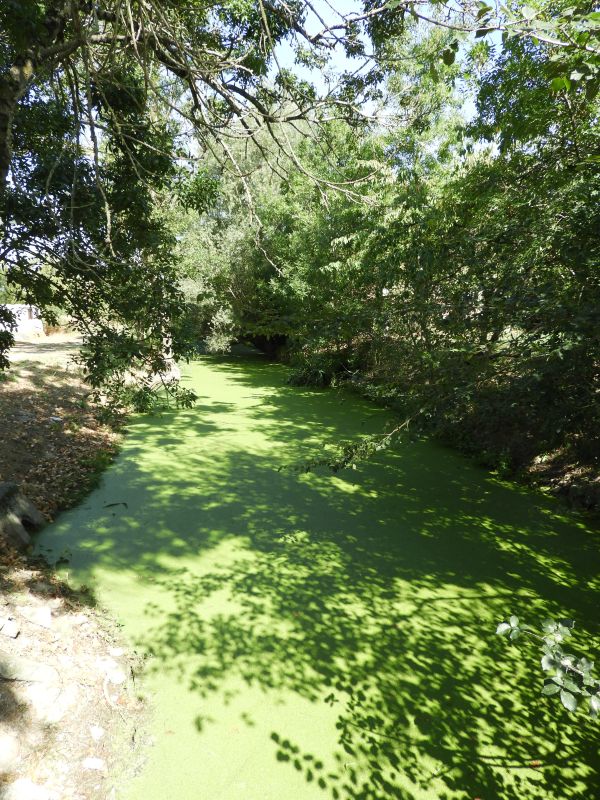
(331, 637)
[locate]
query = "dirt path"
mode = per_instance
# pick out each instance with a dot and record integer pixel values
(53, 441)
(57, 349)
(68, 707)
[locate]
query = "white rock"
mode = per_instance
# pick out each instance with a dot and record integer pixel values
(106, 664)
(9, 627)
(9, 752)
(41, 616)
(51, 703)
(96, 732)
(25, 789)
(94, 763)
(79, 619)
(19, 668)
(116, 676)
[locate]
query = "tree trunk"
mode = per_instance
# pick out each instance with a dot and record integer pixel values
(13, 86)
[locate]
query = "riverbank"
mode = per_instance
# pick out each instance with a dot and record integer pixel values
(71, 719)
(55, 442)
(69, 709)
(558, 473)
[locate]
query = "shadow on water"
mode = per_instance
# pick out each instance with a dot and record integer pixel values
(374, 592)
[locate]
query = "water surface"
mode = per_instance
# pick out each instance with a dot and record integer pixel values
(331, 637)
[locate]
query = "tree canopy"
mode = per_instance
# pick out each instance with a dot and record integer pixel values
(112, 113)
(460, 280)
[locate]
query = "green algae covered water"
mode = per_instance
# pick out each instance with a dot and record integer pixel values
(331, 637)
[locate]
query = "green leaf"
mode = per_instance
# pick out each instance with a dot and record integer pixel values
(503, 628)
(591, 89)
(568, 700)
(514, 634)
(585, 665)
(565, 625)
(550, 689)
(514, 622)
(595, 705)
(560, 84)
(548, 662)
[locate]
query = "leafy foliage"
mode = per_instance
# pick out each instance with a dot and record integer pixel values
(106, 113)
(570, 678)
(442, 266)
(458, 282)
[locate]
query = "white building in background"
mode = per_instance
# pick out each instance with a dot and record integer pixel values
(29, 322)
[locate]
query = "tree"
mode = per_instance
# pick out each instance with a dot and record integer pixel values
(463, 288)
(96, 100)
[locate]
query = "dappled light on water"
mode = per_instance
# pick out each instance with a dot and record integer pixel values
(332, 636)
